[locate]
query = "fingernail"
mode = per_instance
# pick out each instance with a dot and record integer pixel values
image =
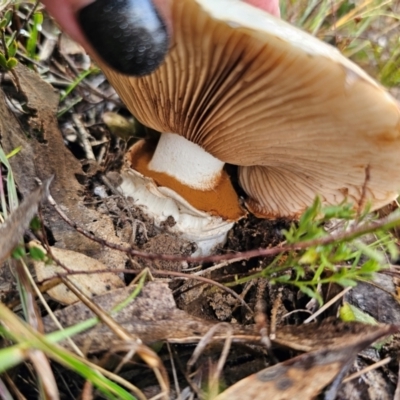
(129, 35)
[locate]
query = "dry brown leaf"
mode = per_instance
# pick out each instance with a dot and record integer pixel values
(91, 284)
(43, 154)
(305, 376)
(318, 336)
(14, 227)
(69, 46)
(152, 316)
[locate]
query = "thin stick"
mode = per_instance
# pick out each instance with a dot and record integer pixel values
(174, 374)
(371, 368)
(84, 137)
(384, 223)
(327, 305)
(397, 392)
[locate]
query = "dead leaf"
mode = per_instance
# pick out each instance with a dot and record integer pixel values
(152, 316)
(318, 336)
(305, 376)
(69, 46)
(43, 154)
(12, 230)
(376, 384)
(365, 295)
(91, 284)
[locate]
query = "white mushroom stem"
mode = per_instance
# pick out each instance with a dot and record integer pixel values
(187, 162)
(160, 203)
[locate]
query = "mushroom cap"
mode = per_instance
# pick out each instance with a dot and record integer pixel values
(296, 116)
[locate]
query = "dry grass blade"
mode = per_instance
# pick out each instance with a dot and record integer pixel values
(14, 227)
(47, 383)
(370, 368)
(29, 340)
(148, 355)
(45, 375)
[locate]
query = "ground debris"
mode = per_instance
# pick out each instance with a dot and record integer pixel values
(44, 154)
(305, 376)
(91, 282)
(152, 316)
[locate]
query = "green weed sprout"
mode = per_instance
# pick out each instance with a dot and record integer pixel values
(7, 54)
(343, 262)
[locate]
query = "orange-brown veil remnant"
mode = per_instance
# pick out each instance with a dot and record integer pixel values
(222, 200)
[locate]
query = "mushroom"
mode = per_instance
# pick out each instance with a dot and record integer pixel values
(240, 86)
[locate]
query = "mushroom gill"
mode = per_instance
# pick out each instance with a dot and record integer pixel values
(297, 117)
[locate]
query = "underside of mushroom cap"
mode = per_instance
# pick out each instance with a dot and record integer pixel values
(299, 118)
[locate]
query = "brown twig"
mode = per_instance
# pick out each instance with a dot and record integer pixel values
(26, 20)
(372, 367)
(147, 355)
(383, 223)
(364, 188)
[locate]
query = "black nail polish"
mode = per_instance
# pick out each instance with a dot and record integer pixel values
(129, 35)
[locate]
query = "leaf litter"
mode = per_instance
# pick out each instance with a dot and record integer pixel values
(288, 358)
